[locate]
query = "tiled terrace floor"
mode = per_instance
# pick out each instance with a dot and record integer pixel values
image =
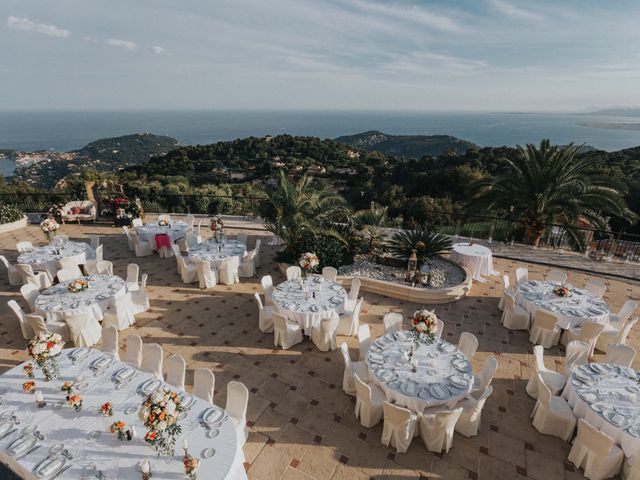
(302, 424)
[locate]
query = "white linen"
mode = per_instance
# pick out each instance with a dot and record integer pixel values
(318, 300)
(608, 397)
(443, 375)
(477, 258)
(110, 455)
(46, 258)
(54, 303)
(571, 311)
(148, 231)
(217, 252)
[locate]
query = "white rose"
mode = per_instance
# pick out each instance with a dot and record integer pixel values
(38, 348)
(156, 397)
(56, 349)
(161, 426)
(170, 407)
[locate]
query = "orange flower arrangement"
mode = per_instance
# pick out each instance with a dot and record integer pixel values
(75, 401)
(118, 428)
(28, 369)
(28, 386)
(106, 409)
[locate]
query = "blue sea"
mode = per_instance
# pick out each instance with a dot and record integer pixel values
(64, 131)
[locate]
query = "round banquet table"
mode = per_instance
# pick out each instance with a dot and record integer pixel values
(148, 231)
(442, 376)
(85, 434)
(299, 304)
(608, 397)
(55, 303)
(477, 258)
(217, 252)
(571, 311)
(46, 258)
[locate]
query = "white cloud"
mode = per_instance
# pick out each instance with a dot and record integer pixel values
(514, 11)
(158, 50)
(18, 23)
(126, 44)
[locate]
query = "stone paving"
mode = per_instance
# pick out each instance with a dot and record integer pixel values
(302, 424)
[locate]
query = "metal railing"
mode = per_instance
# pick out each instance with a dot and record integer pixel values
(200, 204)
(36, 202)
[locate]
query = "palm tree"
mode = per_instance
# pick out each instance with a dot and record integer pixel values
(551, 184)
(367, 227)
(426, 244)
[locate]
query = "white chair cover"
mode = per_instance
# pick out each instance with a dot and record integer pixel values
(330, 273)
(556, 276)
(552, 415)
(133, 272)
(352, 296)
(129, 238)
(120, 313)
(30, 292)
(164, 217)
(610, 336)
(468, 344)
(133, 355)
(484, 378)
(229, 270)
(203, 384)
(38, 325)
(27, 330)
(399, 427)
(267, 289)
(140, 299)
(293, 272)
(68, 263)
(470, 419)
(596, 288)
(286, 333)
(622, 355)
(247, 268)
(68, 274)
(176, 369)
(369, 400)
(392, 322)
(436, 429)
(142, 248)
(189, 219)
(242, 238)
(364, 341)
(265, 321)
(178, 255)
(624, 314)
(350, 367)
(439, 328)
(595, 452)
(104, 267)
(554, 381)
(236, 407)
(587, 332)
(40, 279)
(94, 241)
(350, 321)
(188, 271)
(506, 290)
(110, 341)
(576, 354)
(207, 278)
(544, 329)
(152, 360)
(24, 246)
(256, 261)
(12, 273)
(324, 337)
(85, 329)
(522, 275)
(137, 222)
(91, 265)
(514, 317)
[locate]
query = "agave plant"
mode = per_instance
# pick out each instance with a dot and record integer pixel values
(426, 244)
(368, 226)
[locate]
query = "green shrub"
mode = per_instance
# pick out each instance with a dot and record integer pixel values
(9, 213)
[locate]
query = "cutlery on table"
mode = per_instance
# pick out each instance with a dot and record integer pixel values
(60, 472)
(32, 449)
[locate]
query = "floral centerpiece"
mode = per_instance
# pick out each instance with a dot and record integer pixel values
(118, 428)
(308, 263)
(191, 465)
(75, 401)
(423, 326)
(216, 227)
(44, 348)
(55, 212)
(563, 291)
(159, 414)
(77, 286)
(28, 386)
(67, 387)
(106, 409)
(28, 369)
(163, 222)
(49, 227)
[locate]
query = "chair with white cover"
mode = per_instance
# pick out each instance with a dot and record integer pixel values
(595, 452)
(203, 384)
(120, 313)
(133, 354)
(68, 274)
(84, 329)
(631, 468)
(439, 328)
(38, 325)
(139, 298)
(177, 254)
(164, 218)
(522, 275)
(619, 319)
(437, 427)
(392, 322)
(188, 271)
(351, 367)
(152, 360)
(286, 333)
(189, 220)
(267, 289)
(142, 248)
(470, 419)
(12, 273)
(236, 407)
(136, 222)
(265, 320)
(622, 355)
(352, 296)
(369, 400)
(595, 288)
(364, 340)
(176, 368)
(514, 317)
(293, 272)
(110, 341)
(506, 290)
(30, 292)
(324, 337)
(24, 246)
(256, 261)
(608, 337)
(104, 267)
(69, 263)
(207, 277)
(39, 279)
(247, 268)
(483, 379)
(94, 241)
(587, 332)
(544, 329)
(27, 331)
(552, 415)
(330, 273)
(133, 272)
(399, 426)
(576, 354)
(553, 380)
(129, 238)
(468, 344)
(350, 321)
(228, 271)
(556, 276)
(242, 238)
(91, 265)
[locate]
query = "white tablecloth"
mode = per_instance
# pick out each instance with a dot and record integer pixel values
(301, 306)
(608, 397)
(571, 311)
(55, 303)
(477, 258)
(216, 252)
(148, 231)
(443, 375)
(85, 434)
(46, 258)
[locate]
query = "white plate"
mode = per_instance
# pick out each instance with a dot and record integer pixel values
(50, 466)
(208, 453)
(102, 362)
(616, 418)
(5, 427)
(22, 445)
(409, 388)
(212, 415)
(124, 374)
(130, 410)
(376, 357)
(424, 394)
(150, 386)
(439, 391)
(79, 353)
(213, 433)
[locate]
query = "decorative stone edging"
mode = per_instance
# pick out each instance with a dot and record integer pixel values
(9, 227)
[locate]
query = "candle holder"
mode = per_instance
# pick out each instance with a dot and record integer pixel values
(145, 470)
(191, 465)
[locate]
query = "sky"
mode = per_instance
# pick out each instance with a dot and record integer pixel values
(455, 55)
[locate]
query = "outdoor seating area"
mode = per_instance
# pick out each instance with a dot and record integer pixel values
(324, 380)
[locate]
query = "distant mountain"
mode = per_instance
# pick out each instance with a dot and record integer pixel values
(411, 146)
(616, 111)
(128, 149)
